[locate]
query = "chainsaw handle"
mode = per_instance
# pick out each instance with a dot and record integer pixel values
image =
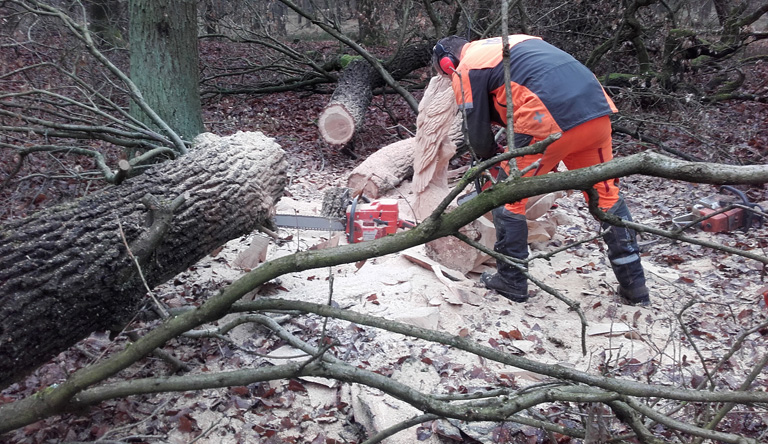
(750, 216)
(351, 222)
(737, 192)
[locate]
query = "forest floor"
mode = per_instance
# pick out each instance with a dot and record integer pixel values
(702, 301)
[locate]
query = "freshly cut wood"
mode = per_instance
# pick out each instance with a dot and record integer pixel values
(455, 254)
(73, 269)
(461, 289)
(254, 255)
(383, 170)
(349, 102)
(541, 230)
(337, 124)
(434, 147)
(438, 132)
(537, 206)
(344, 114)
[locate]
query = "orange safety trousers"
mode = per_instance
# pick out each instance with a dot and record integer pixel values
(582, 146)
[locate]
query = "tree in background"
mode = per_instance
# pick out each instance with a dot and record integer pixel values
(164, 62)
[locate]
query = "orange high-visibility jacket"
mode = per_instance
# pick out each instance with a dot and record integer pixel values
(551, 91)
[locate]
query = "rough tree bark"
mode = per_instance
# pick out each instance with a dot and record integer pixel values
(345, 111)
(65, 272)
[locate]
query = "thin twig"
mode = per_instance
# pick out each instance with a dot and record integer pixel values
(160, 307)
(408, 423)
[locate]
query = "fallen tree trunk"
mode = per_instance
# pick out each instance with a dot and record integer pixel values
(344, 114)
(66, 271)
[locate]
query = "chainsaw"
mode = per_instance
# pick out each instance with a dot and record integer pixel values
(364, 221)
(722, 213)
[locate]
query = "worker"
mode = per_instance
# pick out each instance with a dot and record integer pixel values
(552, 93)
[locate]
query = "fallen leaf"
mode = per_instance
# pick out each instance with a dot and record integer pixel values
(745, 313)
(240, 390)
(296, 386)
(186, 424)
(373, 299)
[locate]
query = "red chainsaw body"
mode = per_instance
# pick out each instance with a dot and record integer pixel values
(730, 220)
(372, 220)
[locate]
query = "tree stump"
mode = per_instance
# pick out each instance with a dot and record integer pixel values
(72, 269)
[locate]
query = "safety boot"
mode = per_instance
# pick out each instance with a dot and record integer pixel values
(511, 240)
(624, 255)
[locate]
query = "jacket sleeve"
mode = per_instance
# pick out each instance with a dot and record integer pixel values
(473, 99)
(479, 131)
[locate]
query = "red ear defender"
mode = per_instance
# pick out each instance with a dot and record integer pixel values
(447, 65)
(443, 59)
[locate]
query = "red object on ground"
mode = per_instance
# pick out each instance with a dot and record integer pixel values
(372, 220)
(730, 220)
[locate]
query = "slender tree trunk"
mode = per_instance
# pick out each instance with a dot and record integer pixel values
(369, 22)
(164, 61)
(103, 16)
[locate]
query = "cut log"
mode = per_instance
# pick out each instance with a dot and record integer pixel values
(348, 104)
(383, 170)
(345, 112)
(66, 272)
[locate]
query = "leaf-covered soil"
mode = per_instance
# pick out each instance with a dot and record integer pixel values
(702, 301)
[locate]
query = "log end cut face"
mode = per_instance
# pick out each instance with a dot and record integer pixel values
(337, 126)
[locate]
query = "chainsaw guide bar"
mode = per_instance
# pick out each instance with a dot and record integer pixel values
(309, 222)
